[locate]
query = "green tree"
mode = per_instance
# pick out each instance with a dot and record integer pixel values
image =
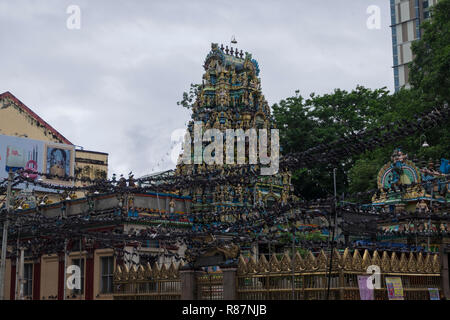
(324, 119)
(430, 69)
(402, 105)
(304, 123)
(188, 99)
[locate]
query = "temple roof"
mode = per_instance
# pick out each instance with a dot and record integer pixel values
(21, 105)
(229, 57)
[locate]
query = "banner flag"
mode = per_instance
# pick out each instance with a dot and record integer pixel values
(434, 293)
(365, 292)
(395, 288)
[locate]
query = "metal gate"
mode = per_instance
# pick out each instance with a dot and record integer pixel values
(210, 286)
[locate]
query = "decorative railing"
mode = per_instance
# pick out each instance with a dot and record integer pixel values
(147, 283)
(307, 277)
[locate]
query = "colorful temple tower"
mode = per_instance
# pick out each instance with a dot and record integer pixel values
(230, 97)
(413, 202)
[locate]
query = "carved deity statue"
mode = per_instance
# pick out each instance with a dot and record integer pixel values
(422, 206)
(172, 206)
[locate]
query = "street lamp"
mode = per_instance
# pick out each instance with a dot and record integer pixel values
(425, 144)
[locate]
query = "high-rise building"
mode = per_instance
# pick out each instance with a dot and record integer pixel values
(406, 19)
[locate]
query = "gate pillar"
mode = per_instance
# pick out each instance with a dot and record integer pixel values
(188, 284)
(229, 284)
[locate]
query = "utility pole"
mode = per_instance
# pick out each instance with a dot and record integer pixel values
(5, 237)
(292, 264)
(82, 270)
(16, 292)
(21, 274)
(16, 286)
(334, 232)
(65, 269)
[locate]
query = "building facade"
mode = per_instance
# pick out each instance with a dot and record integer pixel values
(406, 18)
(18, 120)
(40, 274)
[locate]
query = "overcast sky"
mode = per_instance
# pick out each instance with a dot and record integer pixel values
(112, 85)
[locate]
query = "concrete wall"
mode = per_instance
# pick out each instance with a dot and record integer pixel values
(15, 122)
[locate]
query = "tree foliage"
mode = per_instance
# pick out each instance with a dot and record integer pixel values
(304, 123)
(430, 69)
(189, 97)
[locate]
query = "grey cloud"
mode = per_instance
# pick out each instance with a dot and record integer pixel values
(113, 85)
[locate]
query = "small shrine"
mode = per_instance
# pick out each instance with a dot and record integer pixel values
(412, 203)
(403, 186)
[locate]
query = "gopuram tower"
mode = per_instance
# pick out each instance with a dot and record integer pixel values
(230, 97)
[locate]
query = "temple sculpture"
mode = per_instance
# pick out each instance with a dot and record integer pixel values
(230, 97)
(413, 202)
(403, 186)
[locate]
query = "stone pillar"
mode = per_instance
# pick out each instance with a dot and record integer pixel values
(188, 285)
(12, 290)
(341, 285)
(229, 284)
(89, 279)
(37, 280)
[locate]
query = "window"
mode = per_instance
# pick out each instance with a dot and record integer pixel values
(28, 279)
(107, 269)
(75, 246)
(81, 265)
(425, 4)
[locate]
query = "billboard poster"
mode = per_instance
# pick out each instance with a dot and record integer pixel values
(36, 156)
(58, 162)
(394, 288)
(434, 293)
(364, 292)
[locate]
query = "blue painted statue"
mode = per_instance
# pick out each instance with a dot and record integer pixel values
(445, 166)
(398, 158)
